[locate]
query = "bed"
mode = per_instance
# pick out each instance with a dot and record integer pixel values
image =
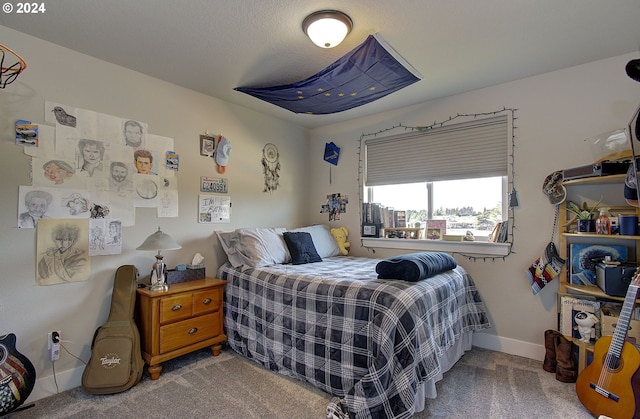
(377, 345)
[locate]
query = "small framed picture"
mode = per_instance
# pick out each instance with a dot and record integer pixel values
(370, 230)
(207, 145)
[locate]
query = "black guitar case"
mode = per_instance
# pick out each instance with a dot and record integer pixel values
(17, 375)
(116, 362)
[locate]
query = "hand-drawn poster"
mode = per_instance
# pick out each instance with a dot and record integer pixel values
(104, 153)
(168, 197)
(214, 209)
(37, 203)
(105, 237)
(62, 251)
(146, 190)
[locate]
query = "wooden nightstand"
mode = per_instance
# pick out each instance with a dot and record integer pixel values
(175, 322)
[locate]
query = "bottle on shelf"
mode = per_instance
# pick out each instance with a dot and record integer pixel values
(603, 223)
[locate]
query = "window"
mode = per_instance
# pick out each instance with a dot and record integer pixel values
(474, 205)
(457, 173)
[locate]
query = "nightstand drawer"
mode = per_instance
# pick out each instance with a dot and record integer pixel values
(207, 300)
(175, 308)
(187, 332)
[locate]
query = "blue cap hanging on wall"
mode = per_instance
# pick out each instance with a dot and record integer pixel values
(331, 155)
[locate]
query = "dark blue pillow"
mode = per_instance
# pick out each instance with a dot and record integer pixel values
(301, 247)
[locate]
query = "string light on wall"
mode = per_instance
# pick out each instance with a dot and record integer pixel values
(512, 197)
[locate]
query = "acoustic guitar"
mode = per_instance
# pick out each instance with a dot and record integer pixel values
(606, 386)
(17, 375)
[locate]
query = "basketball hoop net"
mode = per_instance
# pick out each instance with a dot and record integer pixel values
(11, 65)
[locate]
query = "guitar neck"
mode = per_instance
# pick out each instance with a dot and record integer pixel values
(620, 333)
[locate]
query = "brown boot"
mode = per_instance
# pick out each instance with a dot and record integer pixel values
(566, 369)
(550, 362)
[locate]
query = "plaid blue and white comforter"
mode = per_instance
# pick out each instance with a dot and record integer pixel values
(369, 342)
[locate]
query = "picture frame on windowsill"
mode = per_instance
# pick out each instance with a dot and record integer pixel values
(370, 230)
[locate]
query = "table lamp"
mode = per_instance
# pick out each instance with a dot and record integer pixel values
(159, 241)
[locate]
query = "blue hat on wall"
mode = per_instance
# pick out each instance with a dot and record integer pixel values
(222, 154)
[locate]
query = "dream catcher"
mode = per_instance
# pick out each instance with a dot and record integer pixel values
(271, 167)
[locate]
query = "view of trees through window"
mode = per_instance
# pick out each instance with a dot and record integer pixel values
(474, 205)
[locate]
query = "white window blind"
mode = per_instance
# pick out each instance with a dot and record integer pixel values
(472, 149)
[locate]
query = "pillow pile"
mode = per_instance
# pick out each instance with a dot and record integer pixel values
(256, 247)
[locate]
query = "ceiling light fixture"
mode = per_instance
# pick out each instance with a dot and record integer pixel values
(327, 28)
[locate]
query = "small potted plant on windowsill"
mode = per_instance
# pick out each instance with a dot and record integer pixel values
(585, 216)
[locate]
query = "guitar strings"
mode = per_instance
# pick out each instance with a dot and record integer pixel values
(611, 361)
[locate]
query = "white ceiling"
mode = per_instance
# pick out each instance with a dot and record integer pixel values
(213, 46)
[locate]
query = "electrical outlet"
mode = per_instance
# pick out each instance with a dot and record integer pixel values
(53, 344)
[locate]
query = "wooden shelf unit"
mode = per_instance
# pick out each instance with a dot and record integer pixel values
(567, 237)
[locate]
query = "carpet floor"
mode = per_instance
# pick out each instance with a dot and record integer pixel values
(483, 384)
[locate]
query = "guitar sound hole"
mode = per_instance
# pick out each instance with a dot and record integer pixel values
(612, 363)
(3, 354)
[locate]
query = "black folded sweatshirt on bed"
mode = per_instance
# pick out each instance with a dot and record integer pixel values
(415, 266)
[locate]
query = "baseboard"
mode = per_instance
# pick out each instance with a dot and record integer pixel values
(69, 379)
(509, 346)
(46, 386)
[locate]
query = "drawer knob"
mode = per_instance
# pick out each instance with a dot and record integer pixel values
(193, 330)
(176, 307)
(206, 301)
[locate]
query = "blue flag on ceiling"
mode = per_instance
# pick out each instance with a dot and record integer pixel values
(369, 72)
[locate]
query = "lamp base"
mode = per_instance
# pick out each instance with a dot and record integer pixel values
(159, 287)
(158, 275)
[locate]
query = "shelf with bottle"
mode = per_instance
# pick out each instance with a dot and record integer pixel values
(569, 227)
(603, 192)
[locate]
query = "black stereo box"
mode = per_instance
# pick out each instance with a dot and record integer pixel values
(615, 279)
(604, 168)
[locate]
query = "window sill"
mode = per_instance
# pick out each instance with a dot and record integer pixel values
(481, 248)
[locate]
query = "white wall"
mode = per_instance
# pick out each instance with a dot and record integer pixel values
(77, 309)
(556, 112)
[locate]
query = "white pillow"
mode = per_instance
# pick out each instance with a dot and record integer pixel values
(255, 247)
(326, 245)
(229, 243)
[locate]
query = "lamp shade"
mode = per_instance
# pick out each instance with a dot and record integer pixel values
(159, 241)
(327, 28)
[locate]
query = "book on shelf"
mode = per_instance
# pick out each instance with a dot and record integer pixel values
(400, 218)
(500, 232)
